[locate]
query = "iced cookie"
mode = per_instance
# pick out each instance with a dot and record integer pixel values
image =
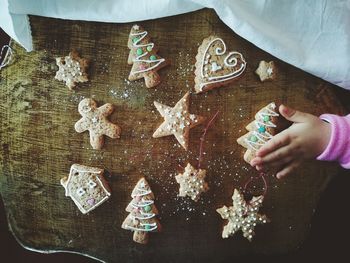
(242, 216)
(177, 120)
(94, 119)
(267, 123)
(144, 58)
(215, 66)
(72, 69)
(192, 182)
(266, 70)
(86, 186)
(142, 213)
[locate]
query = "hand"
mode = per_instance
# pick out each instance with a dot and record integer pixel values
(305, 139)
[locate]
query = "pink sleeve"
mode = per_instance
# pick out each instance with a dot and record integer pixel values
(338, 148)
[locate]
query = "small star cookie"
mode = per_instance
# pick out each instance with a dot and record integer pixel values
(72, 69)
(266, 70)
(95, 121)
(177, 120)
(192, 182)
(242, 216)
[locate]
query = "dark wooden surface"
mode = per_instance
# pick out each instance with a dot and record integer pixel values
(36, 151)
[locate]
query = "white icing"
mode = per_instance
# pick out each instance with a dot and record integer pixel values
(153, 227)
(138, 58)
(262, 138)
(142, 192)
(229, 61)
(215, 67)
(139, 206)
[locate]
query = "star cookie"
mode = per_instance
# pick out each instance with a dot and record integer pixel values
(72, 69)
(192, 182)
(95, 121)
(242, 216)
(266, 70)
(215, 66)
(177, 120)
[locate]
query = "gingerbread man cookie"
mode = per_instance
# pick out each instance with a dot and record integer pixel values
(192, 182)
(95, 121)
(215, 66)
(177, 120)
(242, 215)
(72, 69)
(144, 58)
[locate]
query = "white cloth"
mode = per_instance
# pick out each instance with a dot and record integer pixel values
(313, 35)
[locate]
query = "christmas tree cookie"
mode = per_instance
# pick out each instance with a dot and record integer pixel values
(142, 213)
(144, 58)
(267, 123)
(215, 66)
(242, 216)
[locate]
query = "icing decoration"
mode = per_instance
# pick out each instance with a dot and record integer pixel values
(137, 43)
(142, 217)
(242, 215)
(92, 184)
(215, 67)
(91, 201)
(231, 61)
(139, 51)
(260, 136)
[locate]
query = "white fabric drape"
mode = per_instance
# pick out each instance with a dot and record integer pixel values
(313, 35)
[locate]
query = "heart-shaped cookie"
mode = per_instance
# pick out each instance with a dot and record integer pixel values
(215, 66)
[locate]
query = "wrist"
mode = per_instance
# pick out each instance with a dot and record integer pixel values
(338, 147)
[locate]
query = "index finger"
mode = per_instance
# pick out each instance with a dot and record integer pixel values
(275, 143)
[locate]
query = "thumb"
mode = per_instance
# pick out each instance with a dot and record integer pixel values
(293, 115)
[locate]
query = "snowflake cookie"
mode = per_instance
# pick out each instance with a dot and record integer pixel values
(72, 69)
(192, 182)
(242, 216)
(266, 70)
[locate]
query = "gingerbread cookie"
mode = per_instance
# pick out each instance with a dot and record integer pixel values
(86, 187)
(266, 70)
(95, 121)
(192, 182)
(267, 123)
(142, 213)
(177, 120)
(72, 69)
(242, 216)
(144, 58)
(215, 67)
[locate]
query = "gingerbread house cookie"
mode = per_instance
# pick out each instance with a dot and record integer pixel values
(86, 186)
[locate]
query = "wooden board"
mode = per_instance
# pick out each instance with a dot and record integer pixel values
(39, 144)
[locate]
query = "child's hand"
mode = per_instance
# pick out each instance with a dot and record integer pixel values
(305, 139)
